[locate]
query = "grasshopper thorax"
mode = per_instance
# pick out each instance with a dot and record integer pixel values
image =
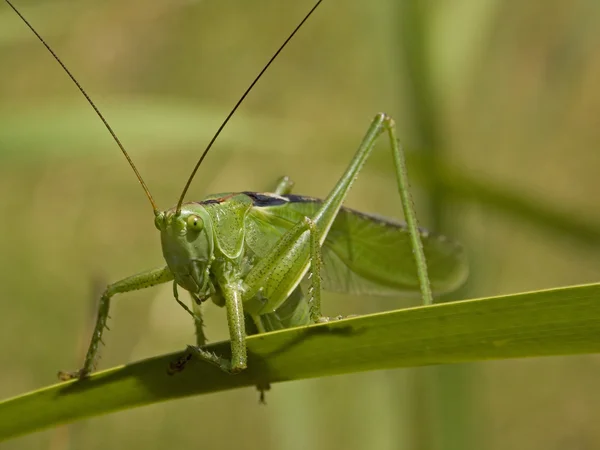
(188, 246)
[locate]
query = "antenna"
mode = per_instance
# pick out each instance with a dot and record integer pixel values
(239, 102)
(87, 97)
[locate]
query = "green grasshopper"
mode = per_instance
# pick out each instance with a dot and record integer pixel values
(255, 253)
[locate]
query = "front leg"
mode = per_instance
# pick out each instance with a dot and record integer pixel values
(140, 281)
(237, 329)
(195, 313)
(230, 285)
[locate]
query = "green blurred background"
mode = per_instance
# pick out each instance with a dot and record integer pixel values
(497, 102)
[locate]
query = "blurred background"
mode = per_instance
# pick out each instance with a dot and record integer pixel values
(497, 104)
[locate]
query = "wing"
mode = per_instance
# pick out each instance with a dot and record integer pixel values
(363, 253)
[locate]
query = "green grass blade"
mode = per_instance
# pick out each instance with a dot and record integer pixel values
(562, 321)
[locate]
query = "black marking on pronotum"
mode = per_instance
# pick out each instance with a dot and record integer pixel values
(264, 200)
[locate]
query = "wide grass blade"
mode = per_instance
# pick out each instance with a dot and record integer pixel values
(562, 321)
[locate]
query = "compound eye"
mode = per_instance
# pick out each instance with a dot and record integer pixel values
(195, 223)
(159, 220)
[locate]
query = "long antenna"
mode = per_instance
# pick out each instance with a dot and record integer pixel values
(108, 127)
(239, 102)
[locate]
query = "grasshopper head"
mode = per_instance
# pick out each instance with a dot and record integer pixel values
(187, 244)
